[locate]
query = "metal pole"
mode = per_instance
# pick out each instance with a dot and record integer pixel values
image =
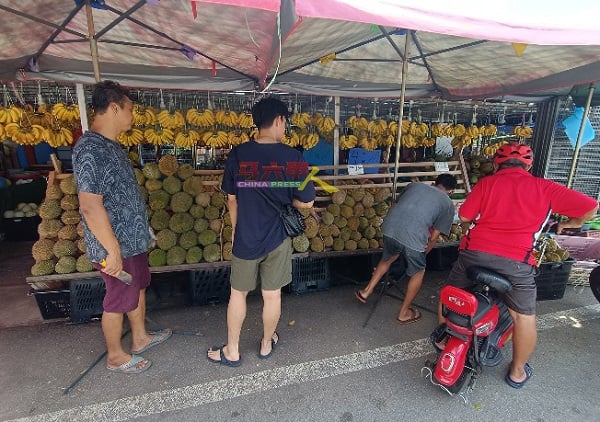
(336, 134)
(92, 38)
(400, 114)
(586, 112)
(82, 106)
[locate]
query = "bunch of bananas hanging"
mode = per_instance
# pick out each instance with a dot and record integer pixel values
(42, 118)
(525, 132)
(187, 138)
(409, 141)
(488, 130)
(131, 137)
(24, 135)
(10, 114)
(428, 142)
(377, 128)
(206, 118)
(253, 134)
(171, 120)
(291, 138)
(348, 141)
(309, 139)
(366, 142)
(66, 113)
(301, 120)
(437, 129)
(462, 141)
(357, 123)
(324, 124)
(159, 135)
(490, 150)
(57, 136)
(418, 130)
(143, 116)
(2, 133)
(237, 137)
(473, 131)
(393, 128)
(227, 118)
(245, 120)
(387, 140)
(215, 139)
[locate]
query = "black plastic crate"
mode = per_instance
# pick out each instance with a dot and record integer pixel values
(441, 258)
(53, 303)
(552, 279)
(86, 299)
(309, 275)
(210, 285)
(21, 228)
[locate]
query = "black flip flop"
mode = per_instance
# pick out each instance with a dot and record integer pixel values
(223, 360)
(273, 344)
(514, 384)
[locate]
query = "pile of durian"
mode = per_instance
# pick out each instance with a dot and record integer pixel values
(60, 248)
(351, 221)
(456, 234)
(552, 252)
(187, 214)
(191, 222)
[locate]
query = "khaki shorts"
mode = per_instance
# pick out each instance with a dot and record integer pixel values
(271, 272)
(523, 295)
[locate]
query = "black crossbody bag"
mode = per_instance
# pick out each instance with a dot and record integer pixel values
(292, 219)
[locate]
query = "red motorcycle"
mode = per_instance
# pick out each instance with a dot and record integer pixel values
(477, 326)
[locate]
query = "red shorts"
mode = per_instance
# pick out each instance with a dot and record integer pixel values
(121, 298)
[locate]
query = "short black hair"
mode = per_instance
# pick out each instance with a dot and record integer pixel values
(448, 181)
(266, 110)
(107, 92)
(513, 162)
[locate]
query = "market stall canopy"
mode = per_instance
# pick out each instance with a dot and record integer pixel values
(335, 47)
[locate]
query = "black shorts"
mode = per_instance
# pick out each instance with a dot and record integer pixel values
(523, 295)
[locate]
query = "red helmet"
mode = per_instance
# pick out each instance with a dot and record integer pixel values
(521, 152)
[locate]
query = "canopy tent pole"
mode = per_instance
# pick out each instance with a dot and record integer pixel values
(400, 113)
(336, 134)
(586, 113)
(82, 106)
(92, 38)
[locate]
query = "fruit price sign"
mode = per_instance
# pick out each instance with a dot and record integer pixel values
(359, 156)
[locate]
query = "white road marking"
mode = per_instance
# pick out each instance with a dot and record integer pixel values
(242, 385)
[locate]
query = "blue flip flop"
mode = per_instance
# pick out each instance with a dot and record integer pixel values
(158, 337)
(273, 344)
(223, 360)
(514, 384)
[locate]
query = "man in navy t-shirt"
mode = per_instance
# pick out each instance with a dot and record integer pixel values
(262, 252)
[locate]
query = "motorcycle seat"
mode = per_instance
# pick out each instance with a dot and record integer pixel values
(483, 306)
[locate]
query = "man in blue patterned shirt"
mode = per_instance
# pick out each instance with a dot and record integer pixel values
(115, 225)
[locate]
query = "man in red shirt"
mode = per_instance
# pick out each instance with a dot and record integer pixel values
(507, 212)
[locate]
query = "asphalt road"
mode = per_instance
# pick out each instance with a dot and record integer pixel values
(327, 367)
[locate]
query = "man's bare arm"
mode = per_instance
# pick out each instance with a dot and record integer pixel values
(92, 208)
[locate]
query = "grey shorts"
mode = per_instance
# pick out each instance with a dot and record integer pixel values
(415, 260)
(523, 295)
(271, 272)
